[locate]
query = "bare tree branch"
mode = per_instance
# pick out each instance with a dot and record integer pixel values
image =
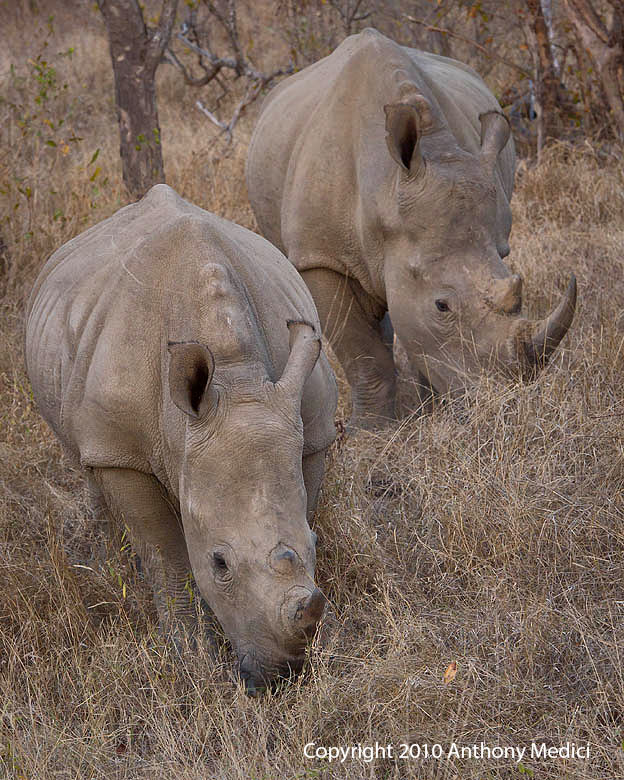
(483, 49)
(222, 62)
(159, 37)
(222, 125)
(209, 73)
(213, 65)
(254, 89)
(350, 13)
(606, 48)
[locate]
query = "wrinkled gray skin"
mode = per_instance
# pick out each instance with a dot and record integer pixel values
(385, 175)
(158, 349)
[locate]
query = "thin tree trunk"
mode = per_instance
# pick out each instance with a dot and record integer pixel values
(606, 48)
(546, 81)
(583, 65)
(136, 54)
(547, 10)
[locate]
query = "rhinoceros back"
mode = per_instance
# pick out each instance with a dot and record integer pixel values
(106, 304)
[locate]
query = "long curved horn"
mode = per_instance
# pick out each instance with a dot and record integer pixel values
(305, 348)
(550, 331)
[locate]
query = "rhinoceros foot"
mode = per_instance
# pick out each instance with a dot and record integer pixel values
(368, 422)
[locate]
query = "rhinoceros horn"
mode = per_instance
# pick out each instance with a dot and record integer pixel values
(495, 133)
(304, 609)
(305, 347)
(507, 294)
(405, 125)
(549, 332)
(312, 610)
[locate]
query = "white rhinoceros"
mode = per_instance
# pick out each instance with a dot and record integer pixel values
(384, 174)
(159, 352)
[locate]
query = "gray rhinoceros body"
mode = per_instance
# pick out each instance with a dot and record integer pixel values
(385, 174)
(158, 349)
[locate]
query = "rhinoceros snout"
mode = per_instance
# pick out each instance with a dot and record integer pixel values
(252, 686)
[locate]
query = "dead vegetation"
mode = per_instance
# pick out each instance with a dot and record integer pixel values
(490, 534)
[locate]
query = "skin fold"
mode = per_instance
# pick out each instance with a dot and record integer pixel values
(177, 357)
(385, 174)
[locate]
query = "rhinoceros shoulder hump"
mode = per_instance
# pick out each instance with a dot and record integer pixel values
(163, 195)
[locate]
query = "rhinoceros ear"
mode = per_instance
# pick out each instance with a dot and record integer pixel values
(191, 366)
(405, 125)
(495, 132)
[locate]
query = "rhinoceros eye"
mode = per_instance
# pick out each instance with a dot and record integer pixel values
(219, 563)
(442, 305)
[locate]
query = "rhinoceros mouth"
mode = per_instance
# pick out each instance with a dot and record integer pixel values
(258, 676)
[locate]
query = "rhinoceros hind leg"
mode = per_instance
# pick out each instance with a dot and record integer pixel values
(140, 502)
(355, 337)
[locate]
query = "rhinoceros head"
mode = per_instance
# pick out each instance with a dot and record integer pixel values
(243, 503)
(454, 305)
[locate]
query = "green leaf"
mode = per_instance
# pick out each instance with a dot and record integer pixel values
(50, 142)
(96, 173)
(95, 156)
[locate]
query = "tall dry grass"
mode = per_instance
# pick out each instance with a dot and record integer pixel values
(488, 534)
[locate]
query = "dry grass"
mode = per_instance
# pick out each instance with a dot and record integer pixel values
(490, 535)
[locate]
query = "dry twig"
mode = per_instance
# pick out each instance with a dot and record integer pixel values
(483, 49)
(213, 64)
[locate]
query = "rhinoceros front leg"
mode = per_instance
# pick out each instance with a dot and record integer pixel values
(355, 337)
(139, 501)
(313, 470)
